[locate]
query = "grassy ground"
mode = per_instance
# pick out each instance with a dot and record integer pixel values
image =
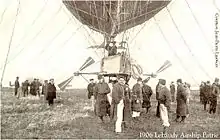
(71, 117)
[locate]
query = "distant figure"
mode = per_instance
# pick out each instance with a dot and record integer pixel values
(112, 50)
(118, 101)
(207, 91)
(188, 96)
(45, 89)
(172, 90)
(33, 87)
(51, 92)
(25, 86)
(90, 89)
(17, 85)
(102, 105)
(214, 96)
(137, 99)
(164, 98)
(38, 84)
(181, 99)
(202, 91)
(146, 92)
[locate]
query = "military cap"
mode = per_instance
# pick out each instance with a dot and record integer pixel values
(100, 77)
(179, 80)
(139, 79)
(162, 82)
(216, 80)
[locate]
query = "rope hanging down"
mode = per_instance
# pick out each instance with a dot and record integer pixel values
(10, 42)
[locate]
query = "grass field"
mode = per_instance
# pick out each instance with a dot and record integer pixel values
(71, 117)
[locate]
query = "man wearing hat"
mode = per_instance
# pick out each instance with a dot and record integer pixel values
(118, 101)
(90, 89)
(51, 92)
(102, 105)
(172, 90)
(181, 99)
(17, 85)
(137, 99)
(147, 92)
(112, 50)
(214, 96)
(44, 89)
(164, 98)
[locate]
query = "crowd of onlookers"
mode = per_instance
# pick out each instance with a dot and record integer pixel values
(48, 89)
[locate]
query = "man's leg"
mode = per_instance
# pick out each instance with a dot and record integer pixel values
(164, 117)
(16, 91)
(183, 119)
(214, 106)
(205, 105)
(158, 110)
(118, 124)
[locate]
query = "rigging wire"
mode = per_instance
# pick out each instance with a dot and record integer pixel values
(3, 13)
(10, 42)
(199, 25)
(174, 52)
(186, 44)
(36, 35)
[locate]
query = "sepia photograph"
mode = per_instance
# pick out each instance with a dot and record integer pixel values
(110, 69)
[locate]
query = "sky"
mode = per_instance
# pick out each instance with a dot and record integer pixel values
(48, 42)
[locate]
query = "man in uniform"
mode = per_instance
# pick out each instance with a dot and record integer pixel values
(157, 95)
(101, 90)
(137, 99)
(214, 96)
(172, 90)
(146, 92)
(164, 98)
(33, 87)
(118, 101)
(90, 89)
(17, 85)
(181, 99)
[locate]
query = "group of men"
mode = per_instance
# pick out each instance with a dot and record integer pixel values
(48, 89)
(209, 95)
(117, 100)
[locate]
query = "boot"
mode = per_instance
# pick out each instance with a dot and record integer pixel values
(165, 129)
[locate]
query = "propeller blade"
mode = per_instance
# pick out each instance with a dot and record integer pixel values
(146, 80)
(85, 78)
(164, 65)
(164, 68)
(88, 62)
(64, 84)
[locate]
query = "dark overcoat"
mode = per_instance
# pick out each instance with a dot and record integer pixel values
(137, 98)
(102, 104)
(146, 92)
(181, 99)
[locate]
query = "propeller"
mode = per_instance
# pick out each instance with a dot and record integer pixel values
(87, 63)
(166, 65)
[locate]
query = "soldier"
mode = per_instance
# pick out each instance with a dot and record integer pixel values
(214, 96)
(118, 101)
(137, 99)
(90, 89)
(164, 98)
(207, 89)
(181, 99)
(172, 90)
(101, 90)
(146, 92)
(51, 92)
(17, 85)
(188, 92)
(25, 86)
